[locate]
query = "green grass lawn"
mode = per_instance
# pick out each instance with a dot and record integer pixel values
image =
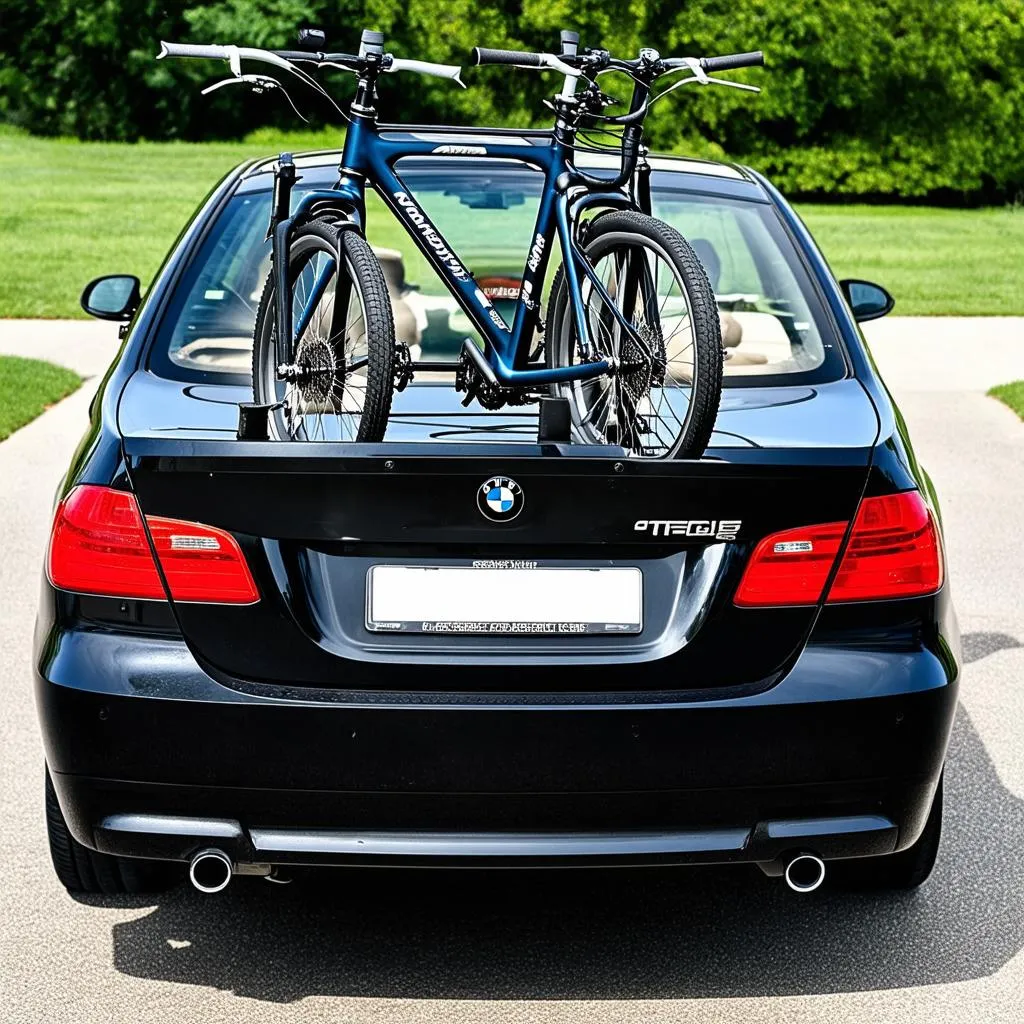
(27, 387)
(1012, 395)
(950, 262)
(70, 211)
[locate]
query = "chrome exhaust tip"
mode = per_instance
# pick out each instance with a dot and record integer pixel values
(210, 870)
(805, 872)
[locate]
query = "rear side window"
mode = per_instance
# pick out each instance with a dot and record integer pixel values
(207, 330)
(774, 327)
(772, 323)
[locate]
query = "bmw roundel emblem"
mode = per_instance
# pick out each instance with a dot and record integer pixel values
(500, 499)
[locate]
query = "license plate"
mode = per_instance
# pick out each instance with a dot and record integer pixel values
(506, 601)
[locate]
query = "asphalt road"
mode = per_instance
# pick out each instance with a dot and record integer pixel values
(700, 945)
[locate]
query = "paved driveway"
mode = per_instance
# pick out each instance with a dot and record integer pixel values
(705, 945)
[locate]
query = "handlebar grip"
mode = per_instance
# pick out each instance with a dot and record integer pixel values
(192, 50)
(515, 58)
(754, 59)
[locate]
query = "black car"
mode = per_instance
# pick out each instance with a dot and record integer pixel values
(475, 644)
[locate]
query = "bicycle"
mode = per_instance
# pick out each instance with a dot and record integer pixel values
(632, 338)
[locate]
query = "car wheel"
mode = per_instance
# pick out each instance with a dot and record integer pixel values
(904, 870)
(81, 870)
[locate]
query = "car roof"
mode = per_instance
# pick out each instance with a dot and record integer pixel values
(702, 176)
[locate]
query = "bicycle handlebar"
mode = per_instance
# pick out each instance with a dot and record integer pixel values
(567, 62)
(279, 57)
(224, 53)
(643, 71)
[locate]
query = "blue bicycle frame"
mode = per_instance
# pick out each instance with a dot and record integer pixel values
(370, 154)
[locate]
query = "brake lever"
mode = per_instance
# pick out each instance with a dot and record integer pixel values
(256, 81)
(699, 73)
(734, 85)
(706, 80)
(259, 85)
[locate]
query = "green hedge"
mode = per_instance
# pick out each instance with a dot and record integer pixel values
(894, 97)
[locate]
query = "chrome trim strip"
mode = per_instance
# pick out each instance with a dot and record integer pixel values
(495, 844)
(828, 826)
(171, 825)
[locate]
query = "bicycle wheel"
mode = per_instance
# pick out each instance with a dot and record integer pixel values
(340, 384)
(662, 401)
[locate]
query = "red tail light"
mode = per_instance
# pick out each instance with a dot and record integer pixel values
(790, 567)
(893, 552)
(98, 546)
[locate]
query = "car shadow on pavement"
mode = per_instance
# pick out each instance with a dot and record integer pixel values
(599, 934)
(980, 645)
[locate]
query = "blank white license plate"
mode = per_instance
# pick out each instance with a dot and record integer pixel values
(512, 601)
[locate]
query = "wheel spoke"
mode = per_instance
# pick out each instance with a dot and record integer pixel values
(325, 394)
(604, 400)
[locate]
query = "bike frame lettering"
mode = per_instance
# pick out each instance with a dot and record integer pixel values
(370, 154)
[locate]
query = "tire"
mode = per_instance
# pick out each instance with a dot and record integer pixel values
(664, 375)
(905, 870)
(81, 870)
(330, 403)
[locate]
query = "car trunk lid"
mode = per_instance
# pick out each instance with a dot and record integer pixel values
(314, 519)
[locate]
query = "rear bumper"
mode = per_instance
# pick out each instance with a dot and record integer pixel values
(166, 837)
(152, 757)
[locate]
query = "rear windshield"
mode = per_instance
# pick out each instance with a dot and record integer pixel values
(774, 327)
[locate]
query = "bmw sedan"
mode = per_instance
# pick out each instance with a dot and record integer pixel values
(472, 644)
